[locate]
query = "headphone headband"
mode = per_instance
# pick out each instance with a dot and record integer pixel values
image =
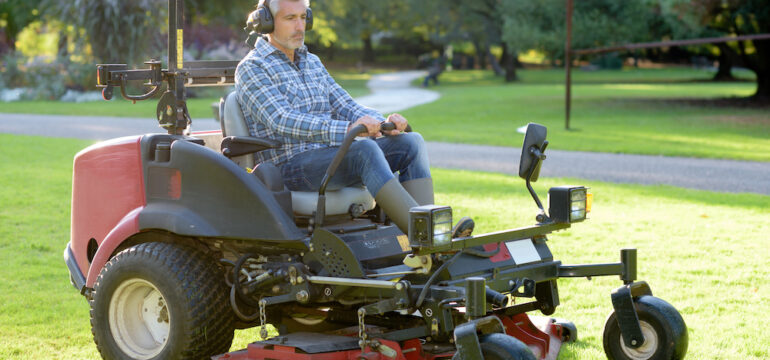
(261, 20)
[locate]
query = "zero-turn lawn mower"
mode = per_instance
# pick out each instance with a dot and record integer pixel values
(175, 244)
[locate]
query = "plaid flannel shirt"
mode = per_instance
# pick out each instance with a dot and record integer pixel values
(297, 102)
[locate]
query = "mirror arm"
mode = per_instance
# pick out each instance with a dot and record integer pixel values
(541, 217)
(539, 156)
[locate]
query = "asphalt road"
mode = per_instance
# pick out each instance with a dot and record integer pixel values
(703, 174)
(391, 92)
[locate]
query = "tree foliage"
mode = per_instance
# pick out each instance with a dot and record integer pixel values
(15, 15)
(118, 31)
(723, 18)
(540, 25)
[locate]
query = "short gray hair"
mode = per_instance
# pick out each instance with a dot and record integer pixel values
(275, 5)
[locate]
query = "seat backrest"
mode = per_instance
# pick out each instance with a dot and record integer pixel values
(338, 202)
(234, 124)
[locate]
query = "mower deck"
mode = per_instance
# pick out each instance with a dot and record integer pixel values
(541, 334)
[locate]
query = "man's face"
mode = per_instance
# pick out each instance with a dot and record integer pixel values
(289, 32)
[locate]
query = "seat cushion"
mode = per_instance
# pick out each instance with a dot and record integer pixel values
(338, 202)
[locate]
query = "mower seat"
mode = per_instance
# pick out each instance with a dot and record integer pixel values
(303, 203)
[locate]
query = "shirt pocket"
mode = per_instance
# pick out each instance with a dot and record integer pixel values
(317, 82)
(291, 92)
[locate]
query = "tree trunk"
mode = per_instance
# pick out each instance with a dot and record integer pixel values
(509, 64)
(763, 87)
(481, 55)
(368, 49)
(62, 45)
(10, 41)
(762, 69)
(330, 52)
(725, 63)
(495, 64)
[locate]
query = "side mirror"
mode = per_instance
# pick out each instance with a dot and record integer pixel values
(532, 151)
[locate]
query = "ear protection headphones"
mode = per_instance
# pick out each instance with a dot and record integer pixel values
(261, 20)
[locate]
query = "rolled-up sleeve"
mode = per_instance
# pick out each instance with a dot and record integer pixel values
(260, 97)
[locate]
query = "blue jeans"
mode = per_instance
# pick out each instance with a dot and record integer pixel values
(368, 162)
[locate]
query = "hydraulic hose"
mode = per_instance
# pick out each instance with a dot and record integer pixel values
(424, 291)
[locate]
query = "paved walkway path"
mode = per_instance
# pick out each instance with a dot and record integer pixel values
(391, 92)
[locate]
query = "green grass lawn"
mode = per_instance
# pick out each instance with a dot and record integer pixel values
(700, 251)
(613, 111)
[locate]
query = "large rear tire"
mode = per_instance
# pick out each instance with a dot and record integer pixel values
(664, 331)
(161, 301)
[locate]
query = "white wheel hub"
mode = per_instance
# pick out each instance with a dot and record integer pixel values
(647, 349)
(139, 319)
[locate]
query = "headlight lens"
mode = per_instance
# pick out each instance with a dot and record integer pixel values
(568, 204)
(430, 226)
(578, 204)
(442, 226)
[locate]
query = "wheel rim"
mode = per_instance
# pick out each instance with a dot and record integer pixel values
(139, 319)
(309, 320)
(648, 348)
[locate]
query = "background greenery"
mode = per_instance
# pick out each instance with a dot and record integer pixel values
(666, 111)
(654, 112)
(55, 37)
(700, 251)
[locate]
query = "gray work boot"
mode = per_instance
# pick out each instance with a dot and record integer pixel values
(421, 190)
(396, 202)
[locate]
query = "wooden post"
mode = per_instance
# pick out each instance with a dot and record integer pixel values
(567, 63)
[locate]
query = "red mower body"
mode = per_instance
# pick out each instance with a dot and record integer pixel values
(107, 195)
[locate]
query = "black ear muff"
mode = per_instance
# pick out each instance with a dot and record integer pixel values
(265, 24)
(309, 20)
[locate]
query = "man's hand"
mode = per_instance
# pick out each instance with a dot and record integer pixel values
(372, 125)
(399, 121)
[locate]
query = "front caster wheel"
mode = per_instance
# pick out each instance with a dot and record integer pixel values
(499, 346)
(664, 330)
(504, 347)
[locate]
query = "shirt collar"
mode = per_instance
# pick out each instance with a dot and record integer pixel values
(263, 47)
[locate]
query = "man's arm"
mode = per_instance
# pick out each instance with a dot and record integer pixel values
(343, 105)
(261, 98)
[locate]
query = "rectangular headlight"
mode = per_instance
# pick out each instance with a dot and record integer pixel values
(430, 226)
(568, 204)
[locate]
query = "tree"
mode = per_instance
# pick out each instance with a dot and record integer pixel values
(356, 20)
(540, 25)
(117, 31)
(15, 15)
(729, 17)
(483, 21)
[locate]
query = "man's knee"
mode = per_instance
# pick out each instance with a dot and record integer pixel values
(414, 141)
(366, 148)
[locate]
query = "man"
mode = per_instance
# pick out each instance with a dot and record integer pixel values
(287, 94)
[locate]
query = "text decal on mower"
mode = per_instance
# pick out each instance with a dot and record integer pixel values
(521, 251)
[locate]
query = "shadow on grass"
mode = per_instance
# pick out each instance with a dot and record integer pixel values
(750, 102)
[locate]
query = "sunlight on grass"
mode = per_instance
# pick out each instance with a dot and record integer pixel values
(639, 118)
(646, 87)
